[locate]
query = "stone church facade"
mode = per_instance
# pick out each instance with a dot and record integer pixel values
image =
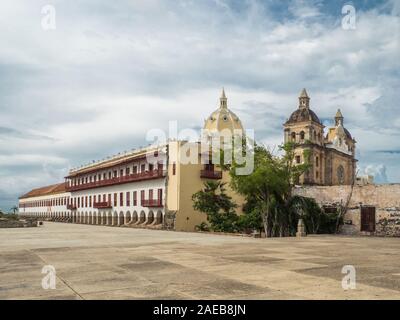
(331, 156)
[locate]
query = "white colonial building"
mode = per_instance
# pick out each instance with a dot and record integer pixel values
(150, 187)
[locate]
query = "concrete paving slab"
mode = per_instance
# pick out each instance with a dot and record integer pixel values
(99, 262)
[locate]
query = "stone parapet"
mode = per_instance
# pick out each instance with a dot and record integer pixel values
(385, 198)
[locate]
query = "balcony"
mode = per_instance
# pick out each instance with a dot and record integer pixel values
(152, 203)
(211, 174)
(71, 207)
(148, 175)
(102, 205)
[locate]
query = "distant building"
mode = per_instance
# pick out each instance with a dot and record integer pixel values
(364, 180)
(332, 156)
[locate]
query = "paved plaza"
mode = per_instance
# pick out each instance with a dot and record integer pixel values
(100, 262)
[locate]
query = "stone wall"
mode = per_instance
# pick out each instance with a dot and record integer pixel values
(385, 198)
(17, 223)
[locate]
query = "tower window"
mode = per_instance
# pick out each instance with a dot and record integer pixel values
(293, 136)
(298, 159)
(340, 174)
(302, 135)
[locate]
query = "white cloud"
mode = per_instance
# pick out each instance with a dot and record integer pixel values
(30, 159)
(377, 171)
(303, 9)
(110, 72)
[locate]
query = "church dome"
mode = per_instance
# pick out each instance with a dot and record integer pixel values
(342, 132)
(347, 133)
(339, 137)
(303, 113)
(339, 124)
(223, 118)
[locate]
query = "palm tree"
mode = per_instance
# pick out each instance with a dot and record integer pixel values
(14, 209)
(270, 185)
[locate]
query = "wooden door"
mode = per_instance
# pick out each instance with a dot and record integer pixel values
(368, 219)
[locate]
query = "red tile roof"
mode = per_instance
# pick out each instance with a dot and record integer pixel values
(44, 191)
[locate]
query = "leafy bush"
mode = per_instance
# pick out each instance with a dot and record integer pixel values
(202, 227)
(218, 207)
(328, 222)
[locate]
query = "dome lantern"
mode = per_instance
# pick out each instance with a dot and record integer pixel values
(223, 118)
(339, 118)
(304, 99)
(223, 100)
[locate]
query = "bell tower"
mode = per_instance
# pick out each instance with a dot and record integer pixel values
(306, 131)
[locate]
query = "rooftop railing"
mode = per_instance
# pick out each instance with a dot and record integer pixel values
(147, 175)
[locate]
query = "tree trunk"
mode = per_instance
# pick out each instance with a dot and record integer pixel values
(343, 209)
(265, 224)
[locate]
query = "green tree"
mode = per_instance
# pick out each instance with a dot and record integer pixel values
(311, 213)
(270, 187)
(250, 219)
(217, 205)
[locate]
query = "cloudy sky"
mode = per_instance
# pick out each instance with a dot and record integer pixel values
(112, 70)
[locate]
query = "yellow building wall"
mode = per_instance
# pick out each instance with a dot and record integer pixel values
(172, 187)
(186, 182)
(189, 183)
